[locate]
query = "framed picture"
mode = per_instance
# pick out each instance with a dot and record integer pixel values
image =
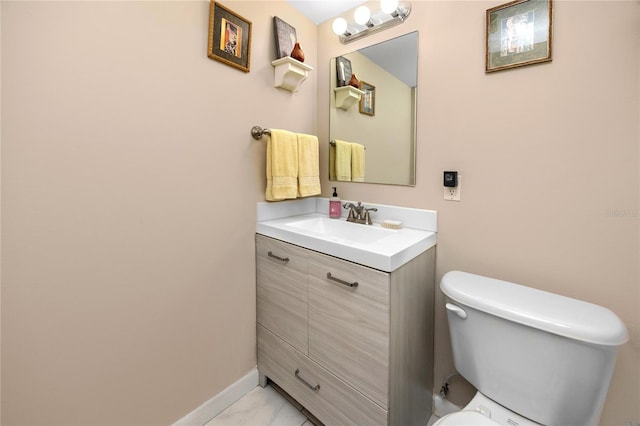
(285, 36)
(343, 71)
(368, 99)
(229, 37)
(519, 33)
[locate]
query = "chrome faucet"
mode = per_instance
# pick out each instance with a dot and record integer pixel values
(359, 213)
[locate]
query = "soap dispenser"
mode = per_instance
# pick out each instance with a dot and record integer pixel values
(334, 205)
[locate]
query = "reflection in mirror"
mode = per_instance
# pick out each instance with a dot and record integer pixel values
(384, 120)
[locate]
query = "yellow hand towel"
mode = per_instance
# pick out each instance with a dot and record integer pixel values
(342, 163)
(282, 165)
(308, 165)
(332, 161)
(357, 162)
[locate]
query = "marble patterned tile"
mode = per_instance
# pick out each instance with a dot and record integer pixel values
(260, 407)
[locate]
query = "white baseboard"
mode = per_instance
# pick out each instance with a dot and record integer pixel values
(218, 403)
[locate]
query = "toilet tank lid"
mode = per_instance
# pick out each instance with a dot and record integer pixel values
(539, 309)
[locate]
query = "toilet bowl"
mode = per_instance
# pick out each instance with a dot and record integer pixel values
(536, 358)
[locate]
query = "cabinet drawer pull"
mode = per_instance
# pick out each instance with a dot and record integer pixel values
(343, 282)
(299, 377)
(281, 259)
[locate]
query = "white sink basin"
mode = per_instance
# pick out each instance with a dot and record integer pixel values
(369, 245)
(341, 230)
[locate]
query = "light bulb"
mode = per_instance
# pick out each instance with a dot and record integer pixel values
(388, 6)
(362, 15)
(339, 26)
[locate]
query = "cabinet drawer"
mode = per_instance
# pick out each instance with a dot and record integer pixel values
(287, 255)
(333, 402)
(349, 326)
(281, 291)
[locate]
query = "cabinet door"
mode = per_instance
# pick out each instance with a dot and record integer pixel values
(349, 325)
(281, 292)
(330, 399)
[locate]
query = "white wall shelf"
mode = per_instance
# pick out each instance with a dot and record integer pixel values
(289, 73)
(346, 96)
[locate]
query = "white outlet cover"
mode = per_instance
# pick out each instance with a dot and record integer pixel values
(453, 194)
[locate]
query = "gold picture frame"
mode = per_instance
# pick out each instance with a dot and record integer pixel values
(229, 37)
(519, 33)
(368, 98)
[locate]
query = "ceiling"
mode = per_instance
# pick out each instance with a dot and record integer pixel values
(320, 11)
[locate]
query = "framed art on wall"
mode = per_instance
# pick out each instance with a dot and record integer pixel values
(343, 71)
(368, 99)
(519, 33)
(229, 37)
(285, 36)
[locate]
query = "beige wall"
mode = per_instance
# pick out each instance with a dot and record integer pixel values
(128, 203)
(129, 183)
(548, 156)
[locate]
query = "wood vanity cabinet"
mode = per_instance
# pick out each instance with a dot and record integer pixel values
(350, 343)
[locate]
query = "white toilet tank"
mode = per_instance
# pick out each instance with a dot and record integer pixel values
(544, 356)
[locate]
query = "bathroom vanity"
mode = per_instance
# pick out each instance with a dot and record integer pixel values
(351, 342)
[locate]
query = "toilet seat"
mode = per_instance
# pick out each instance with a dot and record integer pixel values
(465, 418)
(482, 411)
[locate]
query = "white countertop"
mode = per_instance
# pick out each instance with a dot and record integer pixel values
(390, 249)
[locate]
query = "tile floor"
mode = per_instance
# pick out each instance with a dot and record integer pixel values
(262, 407)
(267, 407)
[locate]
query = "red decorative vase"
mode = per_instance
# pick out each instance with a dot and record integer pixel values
(354, 81)
(297, 53)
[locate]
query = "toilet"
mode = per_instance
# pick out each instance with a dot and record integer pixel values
(535, 358)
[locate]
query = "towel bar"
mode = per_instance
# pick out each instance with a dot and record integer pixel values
(257, 132)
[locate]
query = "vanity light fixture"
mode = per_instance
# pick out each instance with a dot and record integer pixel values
(391, 13)
(362, 16)
(388, 6)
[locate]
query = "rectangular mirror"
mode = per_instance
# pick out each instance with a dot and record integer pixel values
(384, 119)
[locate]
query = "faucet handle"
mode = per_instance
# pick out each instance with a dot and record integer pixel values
(352, 211)
(367, 216)
(349, 205)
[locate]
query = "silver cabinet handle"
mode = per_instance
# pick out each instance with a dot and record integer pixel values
(299, 377)
(456, 310)
(343, 282)
(281, 259)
